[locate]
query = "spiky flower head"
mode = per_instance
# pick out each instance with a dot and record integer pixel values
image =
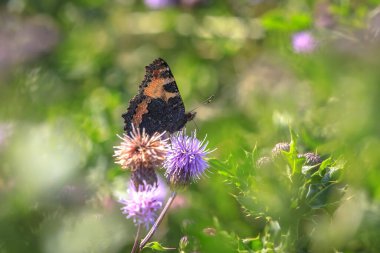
(142, 204)
(311, 159)
(185, 160)
(279, 147)
(139, 150)
(263, 162)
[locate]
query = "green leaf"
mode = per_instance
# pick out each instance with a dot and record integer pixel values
(293, 160)
(255, 243)
(279, 21)
(157, 246)
(325, 164)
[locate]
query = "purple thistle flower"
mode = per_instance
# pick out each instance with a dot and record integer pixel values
(158, 4)
(185, 160)
(304, 42)
(142, 204)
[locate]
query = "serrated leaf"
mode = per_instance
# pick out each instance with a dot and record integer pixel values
(325, 164)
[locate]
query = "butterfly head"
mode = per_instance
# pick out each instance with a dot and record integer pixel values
(190, 116)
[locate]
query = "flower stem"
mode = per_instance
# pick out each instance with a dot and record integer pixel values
(136, 243)
(158, 221)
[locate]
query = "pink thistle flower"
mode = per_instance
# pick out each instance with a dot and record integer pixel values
(304, 42)
(142, 204)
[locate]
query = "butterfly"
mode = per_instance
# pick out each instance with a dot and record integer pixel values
(158, 106)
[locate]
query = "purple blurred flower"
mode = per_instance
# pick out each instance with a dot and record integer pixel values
(24, 39)
(304, 42)
(158, 4)
(279, 147)
(185, 160)
(311, 159)
(142, 204)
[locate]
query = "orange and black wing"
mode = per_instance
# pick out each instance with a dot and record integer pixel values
(158, 106)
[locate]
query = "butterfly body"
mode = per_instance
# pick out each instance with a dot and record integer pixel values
(158, 106)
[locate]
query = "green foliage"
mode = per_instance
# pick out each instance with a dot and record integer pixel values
(285, 191)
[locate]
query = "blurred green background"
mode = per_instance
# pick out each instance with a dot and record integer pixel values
(69, 68)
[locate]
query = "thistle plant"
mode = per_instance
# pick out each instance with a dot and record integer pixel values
(288, 190)
(184, 160)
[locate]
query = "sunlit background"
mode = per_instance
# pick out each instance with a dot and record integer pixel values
(69, 68)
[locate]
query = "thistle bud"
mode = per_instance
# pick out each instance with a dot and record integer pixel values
(282, 146)
(311, 158)
(183, 243)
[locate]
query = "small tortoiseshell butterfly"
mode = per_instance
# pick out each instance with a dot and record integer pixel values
(158, 106)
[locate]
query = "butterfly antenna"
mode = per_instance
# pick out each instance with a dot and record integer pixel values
(209, 100)
(196, 126)
(205, 102)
